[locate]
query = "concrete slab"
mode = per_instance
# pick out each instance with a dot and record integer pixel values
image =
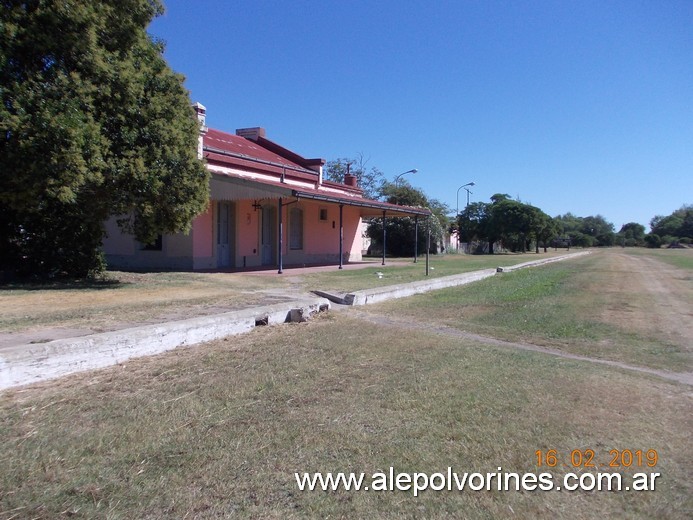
(30, 363)
(378, 294)
(332, 296)
(542, 261)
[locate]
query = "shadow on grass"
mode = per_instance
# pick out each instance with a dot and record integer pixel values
(62, 284)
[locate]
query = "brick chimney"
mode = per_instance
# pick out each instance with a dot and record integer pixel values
(349, 179)
(251, 133)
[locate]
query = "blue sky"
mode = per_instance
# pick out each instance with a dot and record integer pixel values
(572, 106)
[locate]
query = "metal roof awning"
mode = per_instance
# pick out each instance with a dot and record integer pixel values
(229, 187)
(236, 188)
(369, 208)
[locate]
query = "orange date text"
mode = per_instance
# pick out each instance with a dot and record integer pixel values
(588, 458)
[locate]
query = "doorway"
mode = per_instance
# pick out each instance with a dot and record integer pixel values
(268, 235)
(225, 233)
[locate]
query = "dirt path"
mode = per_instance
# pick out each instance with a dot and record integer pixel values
(670, 288)
(633, 284)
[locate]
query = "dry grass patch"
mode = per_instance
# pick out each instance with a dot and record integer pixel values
(219, 430)
(681, 258)
(125, 298)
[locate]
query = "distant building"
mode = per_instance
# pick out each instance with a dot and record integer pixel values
(268, 207)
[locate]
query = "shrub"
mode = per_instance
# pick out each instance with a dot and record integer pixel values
(653, 241)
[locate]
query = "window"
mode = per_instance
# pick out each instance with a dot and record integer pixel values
(323, 214)
(154, 246)
(296, 228)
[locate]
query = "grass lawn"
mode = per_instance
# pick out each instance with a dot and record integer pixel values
(219, 430)
(123, 297)
(594, 306)
(404, 270)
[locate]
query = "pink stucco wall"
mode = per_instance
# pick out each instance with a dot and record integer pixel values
(321, 238)
(247, 229)
(352, 232)
(203, 233)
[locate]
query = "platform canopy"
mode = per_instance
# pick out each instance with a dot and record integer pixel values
(230, 187)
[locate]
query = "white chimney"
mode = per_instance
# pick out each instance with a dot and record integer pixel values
(201, 112)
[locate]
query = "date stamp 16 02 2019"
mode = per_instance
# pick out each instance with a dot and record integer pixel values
(588, 458)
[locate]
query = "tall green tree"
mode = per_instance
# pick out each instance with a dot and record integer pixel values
(514, 223)
(587, 231)
(474, 223)
(483, 222)
(400, 231)
(519, 223)
(93, 123)
(600, 229)
(677, 225)
(570, 226)
(549, 229)
(632, 234)
(668, 225)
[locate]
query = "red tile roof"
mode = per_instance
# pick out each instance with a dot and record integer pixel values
(237, 150)
(266, 156)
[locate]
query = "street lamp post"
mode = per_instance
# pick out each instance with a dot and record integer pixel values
(413, 170)
(468, 192)
(458, 210)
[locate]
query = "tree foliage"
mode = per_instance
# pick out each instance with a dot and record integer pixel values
(472, 222)
(674, 227)
(631, 234)
(401, 231)
(93, 123)
(548, 231)
(653, 241)
(370, 180)
(511, 222)
(587, 231)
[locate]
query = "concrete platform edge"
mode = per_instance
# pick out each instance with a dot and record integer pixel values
(25, 364)
(378, 294)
